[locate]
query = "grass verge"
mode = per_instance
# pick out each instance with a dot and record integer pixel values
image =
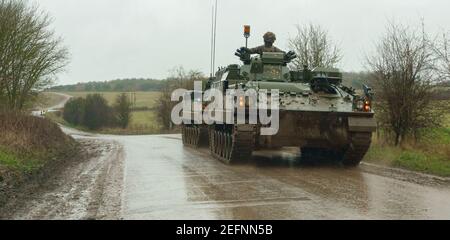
(29, 146)
(26, 163)
(431, 154)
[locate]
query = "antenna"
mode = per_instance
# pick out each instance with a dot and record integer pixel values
(213, 37)
(211, 70)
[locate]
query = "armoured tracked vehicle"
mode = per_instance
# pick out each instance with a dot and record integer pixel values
(316, 112)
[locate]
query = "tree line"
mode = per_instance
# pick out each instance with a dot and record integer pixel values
(119, 85)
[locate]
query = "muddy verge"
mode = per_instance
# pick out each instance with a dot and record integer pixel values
(406, 175)
(87, 185)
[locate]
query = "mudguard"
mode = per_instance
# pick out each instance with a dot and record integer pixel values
(361, 124)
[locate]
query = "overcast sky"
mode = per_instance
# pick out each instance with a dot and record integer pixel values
(110, 39)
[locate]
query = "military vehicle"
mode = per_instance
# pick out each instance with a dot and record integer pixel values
(316, 112)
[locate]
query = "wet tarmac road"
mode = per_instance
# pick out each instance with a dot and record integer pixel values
(164, 180)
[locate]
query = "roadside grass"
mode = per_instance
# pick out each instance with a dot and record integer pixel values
(29, 146)
(430, 154)
(25, 163)
(419, 161)
(415, 159)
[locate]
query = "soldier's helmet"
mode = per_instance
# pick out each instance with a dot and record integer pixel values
(269, 37)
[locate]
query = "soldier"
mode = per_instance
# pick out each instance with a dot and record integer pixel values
(269, 39)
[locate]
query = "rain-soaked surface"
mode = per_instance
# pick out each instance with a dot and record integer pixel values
(164, 180)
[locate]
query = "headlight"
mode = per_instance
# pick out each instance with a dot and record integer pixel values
(360, 105)
(241, 101)
(363, 105)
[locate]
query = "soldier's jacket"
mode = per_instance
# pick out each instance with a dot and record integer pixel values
(259, 50)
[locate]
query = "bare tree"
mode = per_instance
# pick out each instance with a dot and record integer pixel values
(179, 79)
(442, 51)
(403, 74)
(314, 47)
(182, 78)
(30, 55)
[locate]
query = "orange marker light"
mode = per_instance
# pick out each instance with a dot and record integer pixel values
(367, 106)
(247, 30)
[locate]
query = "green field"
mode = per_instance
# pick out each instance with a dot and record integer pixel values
(142, 122)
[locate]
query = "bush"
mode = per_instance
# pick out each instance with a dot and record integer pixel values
(97, 113)
(122, 110)
(74, 111)
(92, 112)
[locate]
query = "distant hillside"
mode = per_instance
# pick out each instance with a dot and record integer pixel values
(120, 85)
